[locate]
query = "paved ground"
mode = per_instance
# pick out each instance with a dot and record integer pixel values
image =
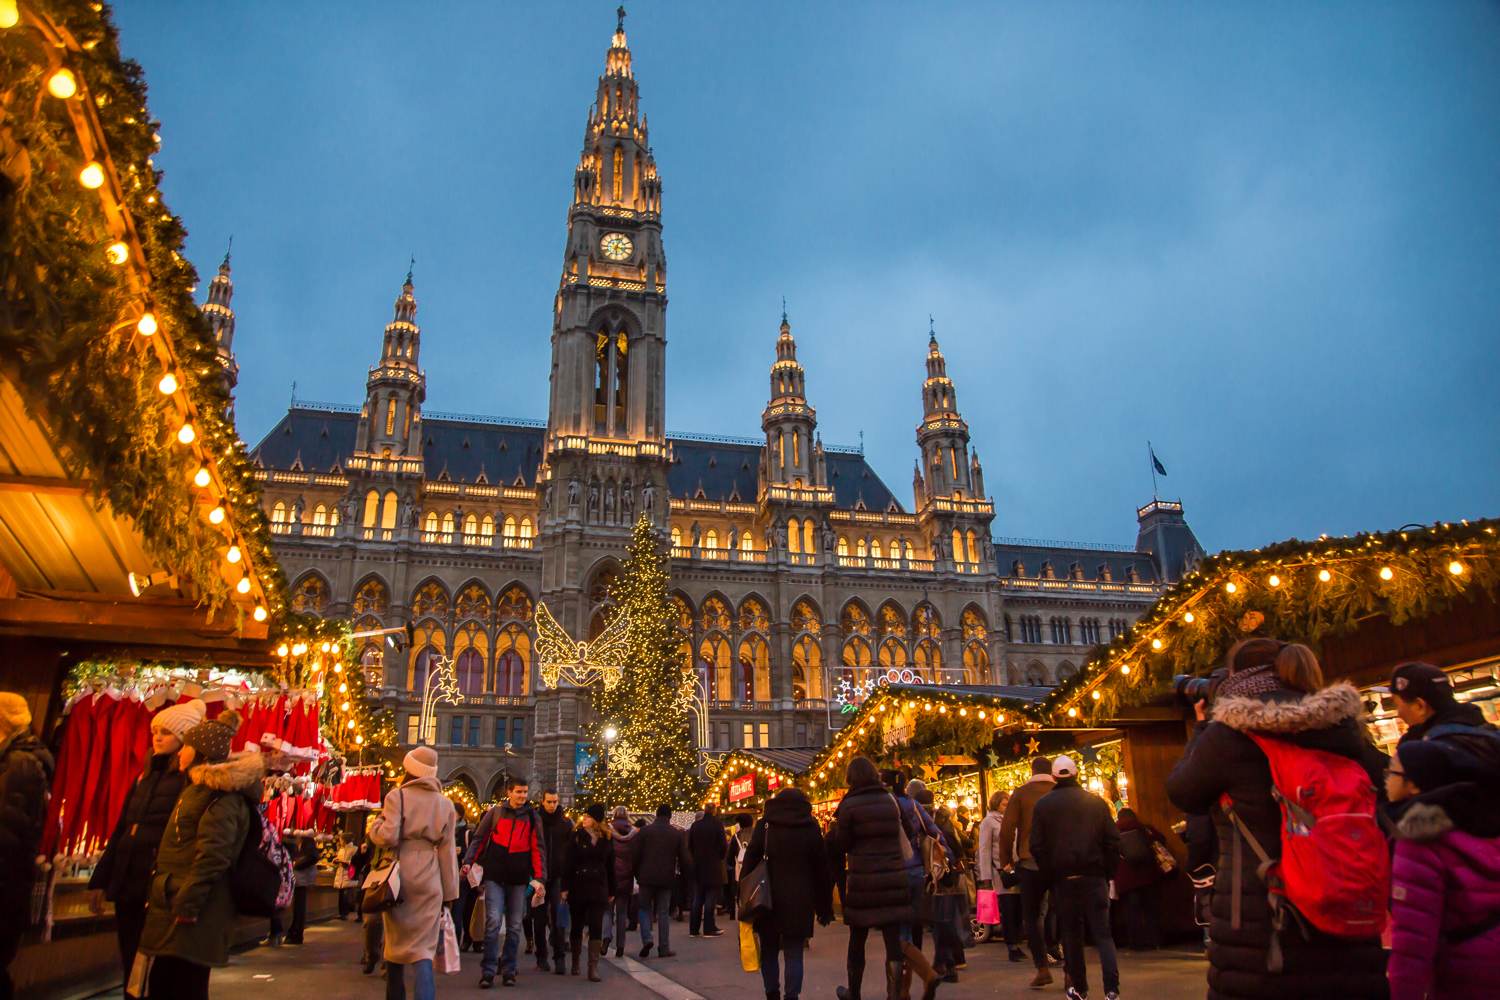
(326, 968)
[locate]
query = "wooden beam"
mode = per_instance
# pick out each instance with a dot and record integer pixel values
(178, 625)
(50, 485)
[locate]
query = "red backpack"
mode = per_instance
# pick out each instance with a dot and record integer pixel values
(1334, 871)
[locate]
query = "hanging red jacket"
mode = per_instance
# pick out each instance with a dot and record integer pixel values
(72, 769)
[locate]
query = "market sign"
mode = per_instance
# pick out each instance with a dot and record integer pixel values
(896, 734)
(742, 788)
(773, 782)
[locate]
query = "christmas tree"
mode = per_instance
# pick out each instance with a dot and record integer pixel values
(651, 759)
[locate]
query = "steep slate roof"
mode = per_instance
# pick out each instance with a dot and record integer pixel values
(321, 439)
(1063, 556)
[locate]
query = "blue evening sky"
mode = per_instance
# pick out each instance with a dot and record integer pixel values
(1265, 236)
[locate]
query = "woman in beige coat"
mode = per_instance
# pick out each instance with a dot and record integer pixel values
(417, 822)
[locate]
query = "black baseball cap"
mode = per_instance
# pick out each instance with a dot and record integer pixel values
(1421, 680)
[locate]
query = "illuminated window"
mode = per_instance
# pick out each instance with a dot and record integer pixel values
(430, 522)
(388, 510)
(875, 549)
(953, 462)
(278, 513)
(807, 537)
(471, 527)
(794, 535)
(910, 552)
(711, 540)
(747, 544)
(861, 551)
(372, 509)
(676, 538)
(448, 524)
(958, 546)
(843, 546)
(390, 416)
(487, 527)
(525, 527)
(320, 514)
(797, 448)
(509, 530)
(781, 450)
(807, 668)
(973, 547)
(619, 173)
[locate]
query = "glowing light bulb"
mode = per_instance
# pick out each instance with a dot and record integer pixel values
(1386, 573)
(91, 176)
(981, 715)
(244, 585)
(338, 668)
(9, 16)
(216, 516)
(1096, 696)
(62, 84)
(359, 739)
(281, 650)
(117, 252)
(1072, 713)
(201, 478)
(963, 713)
(146, 325)
(299, 649)
(187, 435)
(260, 613)
(168, 384)
(350, 725)
(1189, 618)
(1156, 644)
(233, 555)
(343, 689)
(344, 707)
(1456, 568)
(326, 646)
(1125, 668)
(1231, 587)
(1324, 576)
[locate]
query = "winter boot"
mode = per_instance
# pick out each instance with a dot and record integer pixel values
(856, 976)
(541, 962)
(893, 972)
(923, 969)
(577, 948)
(558, 964)
(595, 948)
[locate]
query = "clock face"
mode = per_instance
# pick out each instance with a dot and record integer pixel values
(616, 246)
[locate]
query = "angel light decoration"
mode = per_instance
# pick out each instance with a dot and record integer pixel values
(580, 663)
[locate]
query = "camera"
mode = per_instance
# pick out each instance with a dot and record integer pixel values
(1191, 689)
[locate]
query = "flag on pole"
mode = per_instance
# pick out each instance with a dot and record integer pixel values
(1156, 466)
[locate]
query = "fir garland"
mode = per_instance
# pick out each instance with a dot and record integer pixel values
(1295, 591)
(66, 315)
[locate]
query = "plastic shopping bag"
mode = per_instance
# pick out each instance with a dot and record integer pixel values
(447, 952)
(749, 948)
(475, 876)
(987, 907)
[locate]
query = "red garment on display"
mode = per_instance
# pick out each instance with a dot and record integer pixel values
(67, 782)
(90, 813)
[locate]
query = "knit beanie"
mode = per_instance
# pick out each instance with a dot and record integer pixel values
(211, 737)
(1428, 765)
(596, 811)
(178, 719)
(15, 712)
(421, 762)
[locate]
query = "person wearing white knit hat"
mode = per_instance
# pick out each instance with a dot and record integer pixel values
(123, 875)
(420, 762)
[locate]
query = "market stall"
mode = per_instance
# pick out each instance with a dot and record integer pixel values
(745, 779)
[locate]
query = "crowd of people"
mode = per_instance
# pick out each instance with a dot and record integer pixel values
(1410, 842)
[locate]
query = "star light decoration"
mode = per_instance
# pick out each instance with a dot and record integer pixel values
(580, 663)
(849, 694)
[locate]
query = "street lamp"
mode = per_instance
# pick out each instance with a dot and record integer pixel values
(610, 733)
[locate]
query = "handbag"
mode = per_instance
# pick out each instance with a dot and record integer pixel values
(447, 953)
(476, 919)
(382, 889)
(755, 886)
(1163, 856)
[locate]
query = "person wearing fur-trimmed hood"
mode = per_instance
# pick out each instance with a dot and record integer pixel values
(190, 912)
(1275, 689)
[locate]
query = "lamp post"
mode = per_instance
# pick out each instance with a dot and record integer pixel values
(610, 734)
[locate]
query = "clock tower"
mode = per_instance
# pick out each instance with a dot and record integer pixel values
(606, 454)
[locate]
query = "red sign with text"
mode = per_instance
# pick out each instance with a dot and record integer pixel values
(742, 788)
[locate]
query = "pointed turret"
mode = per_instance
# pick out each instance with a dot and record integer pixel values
(220, 315)
(789, 422)
(390, 422)
(943, 435)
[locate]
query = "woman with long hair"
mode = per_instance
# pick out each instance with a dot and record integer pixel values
(1273, 689)
(589, 885)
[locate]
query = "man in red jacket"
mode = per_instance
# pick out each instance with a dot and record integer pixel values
(508, 847)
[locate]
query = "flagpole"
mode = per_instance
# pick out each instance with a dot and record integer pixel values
(1151, 457)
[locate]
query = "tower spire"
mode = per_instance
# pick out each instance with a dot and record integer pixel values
(397, 386)
(789, 422)
(220, 313)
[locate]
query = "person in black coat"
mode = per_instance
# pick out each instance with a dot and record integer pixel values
(589, 885)
(708, 844)
(123, 875)
(870, 853)
(556, 838)
(789, 840)
(25, 775)
(1277, 690)
(661, 851)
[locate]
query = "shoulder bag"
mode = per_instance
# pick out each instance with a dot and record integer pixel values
(382, 889)
(755, 885)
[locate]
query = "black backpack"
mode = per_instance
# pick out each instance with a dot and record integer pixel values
(1135, 848)
(260, 880)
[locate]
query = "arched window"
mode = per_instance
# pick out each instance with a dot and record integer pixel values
(958, 546)
(430, 600)
(925, 623)
(755, 669)
(862, 551)
(807, 668)
(388, 512)
(320, 514)
(805, 618)
(711, 539)
(973, 546)
(310, 596)
(927, 660)
(390, 416)
(513, 643)
(794, 535)
(843, 547)
(371, 598)
(910, 552)
(676, 538)
(1036, 674)
(372, 509)
(448, 526)
(854, 666)
(1065, 670)
(713, 652)
(487, 528)
(509, 530)
(876, 551)
(469, 667)
(471, 528)
(753, 616)
(430, 523)
(976, 664)
(473, 602)
(372, 665)
(854, 620)
(892, 654)
(525, 527)
(747, 542)
(278, 513)
(807, 537)
(430, 645)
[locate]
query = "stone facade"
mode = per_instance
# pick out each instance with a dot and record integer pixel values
(800, 578)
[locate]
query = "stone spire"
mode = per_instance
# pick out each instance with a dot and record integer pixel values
(789, 422)
(943, 435)
(220, 315)
(617, 167)
(397, 386)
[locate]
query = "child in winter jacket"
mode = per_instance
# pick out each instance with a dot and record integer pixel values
(1445, 880)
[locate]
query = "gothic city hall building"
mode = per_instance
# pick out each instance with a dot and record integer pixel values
(799, 577)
